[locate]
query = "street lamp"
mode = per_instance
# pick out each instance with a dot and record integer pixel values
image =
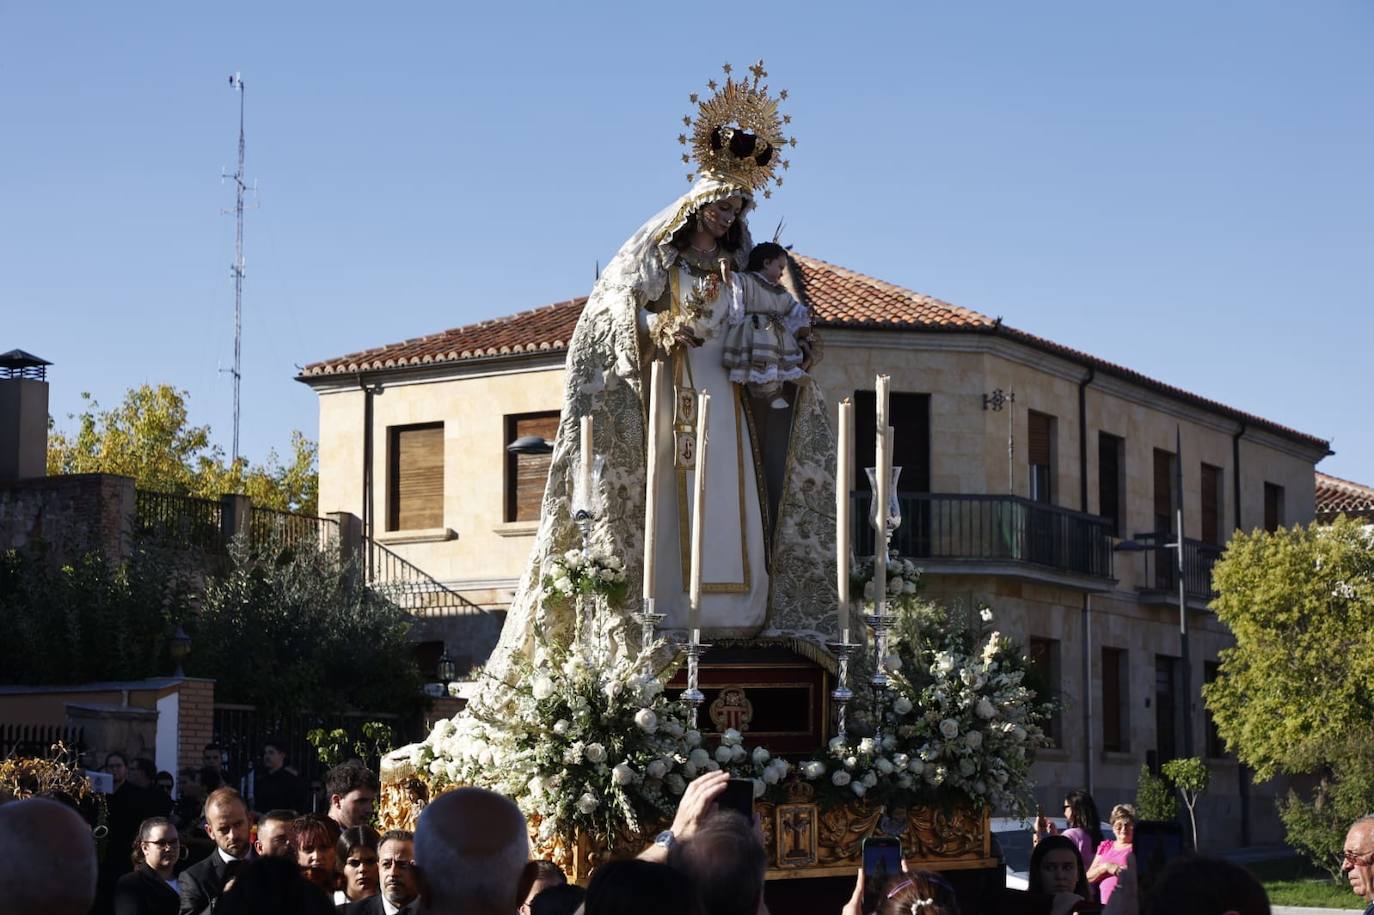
(179, 647)
(530, 444)
(1135, 546)
(446, 669)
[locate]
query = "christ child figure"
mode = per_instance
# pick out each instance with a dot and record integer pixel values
(768, 339)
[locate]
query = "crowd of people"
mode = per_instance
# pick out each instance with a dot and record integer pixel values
(470, 854)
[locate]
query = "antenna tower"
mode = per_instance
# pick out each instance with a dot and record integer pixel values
(240, 188)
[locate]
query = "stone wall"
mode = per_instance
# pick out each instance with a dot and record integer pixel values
(73, 514)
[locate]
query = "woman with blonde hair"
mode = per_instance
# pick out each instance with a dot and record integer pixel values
(1112, 854)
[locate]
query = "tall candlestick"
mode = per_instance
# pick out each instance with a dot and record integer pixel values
(881, 480)
(585, 468)
(843, 455)
(698, 509)
(882, 396)
(651, 494)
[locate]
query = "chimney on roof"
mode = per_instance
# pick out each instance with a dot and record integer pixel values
(23, 415)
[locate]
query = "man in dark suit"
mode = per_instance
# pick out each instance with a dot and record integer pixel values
(275, 785)
(396, 868)
(226, 821)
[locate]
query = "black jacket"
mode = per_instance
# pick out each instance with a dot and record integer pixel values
(280, 790)
(202, 883)
(143, 892)
(372, 905)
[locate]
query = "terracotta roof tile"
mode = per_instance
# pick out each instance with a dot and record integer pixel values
(1335, 496)
(841, 298)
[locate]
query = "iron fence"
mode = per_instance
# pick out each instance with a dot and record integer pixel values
(179, 519)
(270, 525)
(974, 526)
(37, 740)
(1161, 565)
(410, 587)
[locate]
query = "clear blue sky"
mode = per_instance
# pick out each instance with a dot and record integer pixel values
(1185, 188)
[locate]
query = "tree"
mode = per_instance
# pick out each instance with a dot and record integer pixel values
(1189, 777)
(149, 437)
(286, 630)
(1153, 799)
(1294, 692)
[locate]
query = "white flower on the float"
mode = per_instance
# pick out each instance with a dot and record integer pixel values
(900, 760)
(985, 708)
(949, 728)
(453, 771)
(985, 614)
(902, 705)
(646, 720)
(904, 781)
(486, 758)
(560, 727)
(1018, 733)
(622, 774)
(868, 745)
(889, 742)
(759, 788)
(724, 753)
(966, 767)
(612, 688)
(712, 766)
(782, 765)
(738, 753)
(573, 754)
(658, 768)
(870, 779)
(436, 767)
(973, 739)
(535, 786)
(894, 585)
(916, 766)
(674, 728)
(443, 728)
(770, 776)
(699, 757)
(760, 756)
(851, 761)
(858, 788)
(892, 662)
(676, 783)
(649, 689)
(836, 744)
(909, 587)
(936, 775)
(731, 737)
(689, 770)
(588, 802)
(868, 590)
(883, 765)
(692, 738)
(991, 648)
(418, 754)
(839, 778)
(980, 786)
(944, 662)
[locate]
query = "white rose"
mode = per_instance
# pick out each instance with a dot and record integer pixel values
(870, 779)
(839, 778)
(712, 766)
(968, 676)
(986, 614)
(1019, 733)
(985, 708)
(535, 786)
(966, 767)
(587, 802)
(699, 757)
(560, 727)
(902, 705)
(770, 776)
(868, 590)
(759, 788)
(731, 737)
(836, 743)
(916, 766)
(868, 745)
(674, 728)
(813, 769)
(542, 687)
(760, 756)
(646, 720)
(724, 754)
(851, 761)
(949, 728)
(689, 770)
(622, 774)
(892, 662)
(676, 784)
(980, 786)
(595, 753)
(883, 765)
(858, 788)
(900, 760)
(692, 738)
(909, 588)
(612, 688)
(894, 586)
(658, 768)
(737, 753)
(974, 739)
(889, 742)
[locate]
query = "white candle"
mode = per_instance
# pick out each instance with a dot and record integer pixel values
(698, 508)
(845, 638)
(651, 493)
(883, 388)
(842, 458)
(696, 636)
(881, 478)
(585, 471)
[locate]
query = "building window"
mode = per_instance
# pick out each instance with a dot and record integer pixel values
(415, 477)
(1216, 749)
(1167, 689)
(1111, 479)
(1211, 504)
(1166, 500)
(1040, 450)
(1273, 507)
(1115, 701)
(1043, 660)
(909, 415)
(526, 474)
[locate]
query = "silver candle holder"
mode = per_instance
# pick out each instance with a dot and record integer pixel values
(693, 695)
(649, 620)
(880, 622)
(842, 694)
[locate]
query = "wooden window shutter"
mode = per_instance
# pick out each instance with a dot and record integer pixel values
(527, 474)
(1040, 436)
(415, 491)
(1164, 491)
(1273, 507)
(1211, 504)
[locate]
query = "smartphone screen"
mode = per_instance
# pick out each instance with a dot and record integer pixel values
(882, 866)
(738, 795)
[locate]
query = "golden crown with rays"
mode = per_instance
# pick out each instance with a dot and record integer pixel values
(738, 131)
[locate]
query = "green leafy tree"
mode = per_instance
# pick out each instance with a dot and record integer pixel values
(337, 746)
(1189, 777)
(1153, 799)
(149, 437)
(1294, 692)
(286, 630)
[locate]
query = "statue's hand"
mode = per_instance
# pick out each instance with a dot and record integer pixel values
(685, 337)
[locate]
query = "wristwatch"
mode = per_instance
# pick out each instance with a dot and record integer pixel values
(665, 840)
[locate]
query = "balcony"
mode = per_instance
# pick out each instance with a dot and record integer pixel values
(969, 533)
(1158, 583)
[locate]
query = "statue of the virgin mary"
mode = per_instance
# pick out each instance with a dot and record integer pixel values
(769, 546)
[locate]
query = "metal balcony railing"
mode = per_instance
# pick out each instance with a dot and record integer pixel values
(978, 527)
(1161, 565)
(410, 587)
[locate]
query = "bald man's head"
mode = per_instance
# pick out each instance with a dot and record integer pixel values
(47, 859)
(470, 848)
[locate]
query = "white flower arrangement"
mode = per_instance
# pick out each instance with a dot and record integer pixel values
(903, 581)
(573, 574)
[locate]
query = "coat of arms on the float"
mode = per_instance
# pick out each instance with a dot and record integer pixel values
(732, 709)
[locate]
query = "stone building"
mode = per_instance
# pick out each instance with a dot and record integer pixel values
(1025, 464)
(1336, 497)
